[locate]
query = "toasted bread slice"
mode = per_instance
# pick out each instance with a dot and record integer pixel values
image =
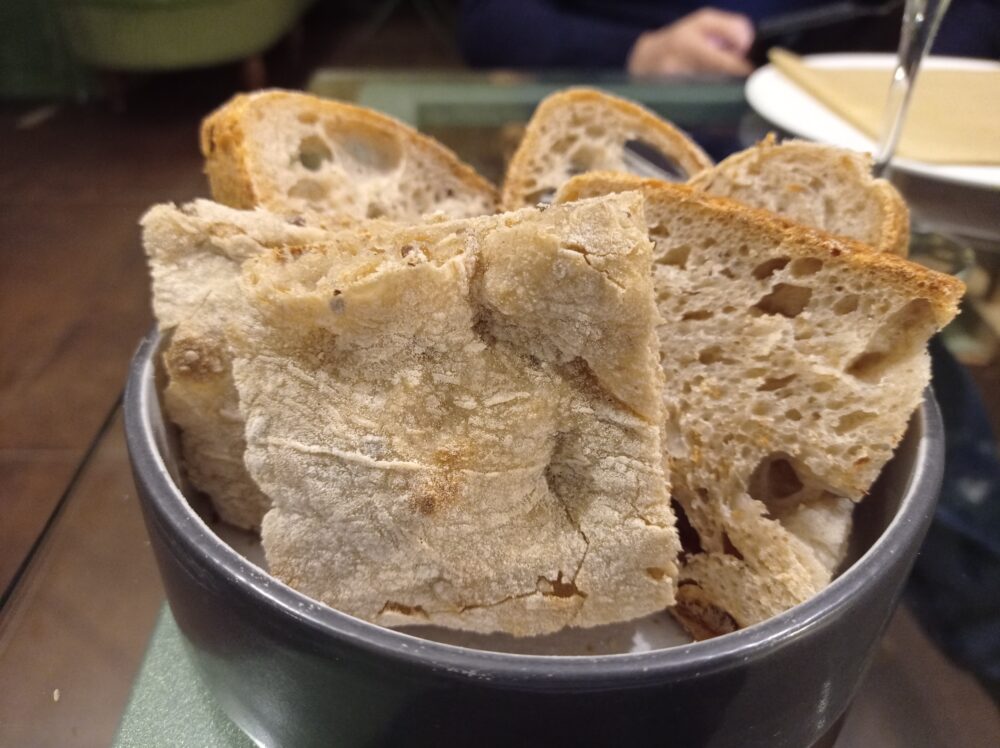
(580, 130)
(195, 253)
(826, 188)
(297, 154)
(793, 361)
(459, 425)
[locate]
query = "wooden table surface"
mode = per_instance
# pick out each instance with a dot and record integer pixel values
(79, 588)
(74, 297)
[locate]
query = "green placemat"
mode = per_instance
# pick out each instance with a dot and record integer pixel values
(431, 99)
(170, 705)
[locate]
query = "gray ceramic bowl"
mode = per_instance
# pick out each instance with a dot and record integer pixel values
(291, 672)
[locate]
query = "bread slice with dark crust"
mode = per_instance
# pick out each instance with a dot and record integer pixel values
(793, 362)
(581, 129)
(820, 186)
(297, 154)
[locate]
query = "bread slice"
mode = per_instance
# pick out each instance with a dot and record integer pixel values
(297, 154)
(826, 188)
(793, 361)
(579, 130)
(459, 425)
(195, 253)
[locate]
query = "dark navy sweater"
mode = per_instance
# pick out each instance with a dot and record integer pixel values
(600, 33)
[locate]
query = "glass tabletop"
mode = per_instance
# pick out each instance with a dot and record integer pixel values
(76, 627)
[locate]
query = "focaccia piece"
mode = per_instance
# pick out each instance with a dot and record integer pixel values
(459, 425)
(195, 253)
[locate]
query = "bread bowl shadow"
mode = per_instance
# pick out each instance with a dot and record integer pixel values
(292, 672)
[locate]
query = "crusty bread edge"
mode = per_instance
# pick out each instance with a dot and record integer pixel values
(223, 146)
(688, 154)
(941, 290)
(894, 231)
(227, 156)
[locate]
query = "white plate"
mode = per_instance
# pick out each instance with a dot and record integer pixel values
(780, 101)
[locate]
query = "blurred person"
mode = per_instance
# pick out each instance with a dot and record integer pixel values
(681, 37)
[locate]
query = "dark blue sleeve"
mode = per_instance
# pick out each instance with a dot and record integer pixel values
(971, 28)
(539, 34)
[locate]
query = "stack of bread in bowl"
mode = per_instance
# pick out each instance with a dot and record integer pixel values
(578, 400)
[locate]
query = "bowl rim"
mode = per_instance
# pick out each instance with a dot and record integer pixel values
(192, 536)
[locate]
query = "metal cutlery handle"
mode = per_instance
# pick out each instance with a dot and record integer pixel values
(921, 19)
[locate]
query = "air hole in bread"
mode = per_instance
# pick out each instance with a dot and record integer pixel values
(852, 421)
(309, 189)
(729, 548)
(785, 299)
(769, 267)
(563, 145)
(774, 478)
(793, 415)
(656, 573)
(700, 314)
(659, 231)
(313, 151)
(650, 154)
(803, 266)
(700, 618)
(713, 355)
(675, 256)
(583, 159)
(690, 541)
(897, 339)
(846, 304)
(308, 118)
(775, 383)
(368, 150)
(374, 211)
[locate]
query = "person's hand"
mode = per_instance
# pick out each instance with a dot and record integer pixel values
(706, 41)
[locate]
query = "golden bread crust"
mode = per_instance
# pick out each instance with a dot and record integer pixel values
(630, 117)
(234, 161)
(816, 167)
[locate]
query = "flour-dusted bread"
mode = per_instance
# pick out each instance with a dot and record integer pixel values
(195, 253)
(459, 424)
(297, 154)
(793, 362)
(579, 130)
(827, 188)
